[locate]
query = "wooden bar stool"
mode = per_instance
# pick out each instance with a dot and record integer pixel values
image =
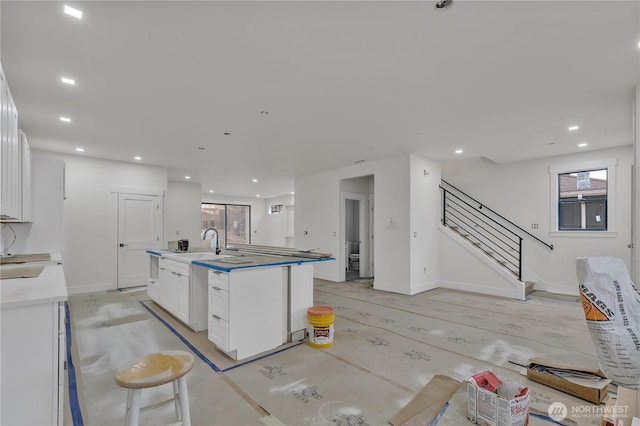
(155, 370)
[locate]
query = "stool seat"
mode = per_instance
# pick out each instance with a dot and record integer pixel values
(154, 370)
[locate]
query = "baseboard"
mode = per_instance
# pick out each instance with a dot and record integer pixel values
(390, 287)
(92, 288)
(422, 287)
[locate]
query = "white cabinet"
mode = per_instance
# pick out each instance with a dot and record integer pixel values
(25, 187)
(176, 291)
(15, 161)
(33, 352)
(247, 311)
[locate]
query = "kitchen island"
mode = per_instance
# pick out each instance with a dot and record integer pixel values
(250, 303)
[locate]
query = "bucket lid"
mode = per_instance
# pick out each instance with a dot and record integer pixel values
(320, 310)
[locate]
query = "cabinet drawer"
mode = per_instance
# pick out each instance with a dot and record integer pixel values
(219, 332)
(219, 279)
(173, 266)
(219, 302)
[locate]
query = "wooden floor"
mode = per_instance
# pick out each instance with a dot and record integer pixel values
(386, 348)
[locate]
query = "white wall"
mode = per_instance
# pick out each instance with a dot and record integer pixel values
(90, 220)
(45, 234)
(521, 192)
(183, 213)
(635, 273)
(318, 214)
(424, 217)
(277, 227)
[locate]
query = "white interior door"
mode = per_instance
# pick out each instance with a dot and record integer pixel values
(139, 229)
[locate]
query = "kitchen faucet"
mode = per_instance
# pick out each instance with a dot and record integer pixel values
(212, 234)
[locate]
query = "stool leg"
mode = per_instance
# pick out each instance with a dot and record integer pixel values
(134, 410)
(184, 401)
(127, 412)
(176, 402)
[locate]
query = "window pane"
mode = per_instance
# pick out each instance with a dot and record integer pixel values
(570, 216)
(238, 224)
(596, 214)
(232, 222)
(582, 200)
(213, 217)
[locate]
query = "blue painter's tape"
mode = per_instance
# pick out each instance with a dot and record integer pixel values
(185, 341)
(76, 413)
(435, 421)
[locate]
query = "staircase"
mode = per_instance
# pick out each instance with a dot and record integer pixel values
(486, 230)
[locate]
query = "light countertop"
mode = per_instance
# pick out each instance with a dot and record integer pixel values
(50, 286)
(229, 262)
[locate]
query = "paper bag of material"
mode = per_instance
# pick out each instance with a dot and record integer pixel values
(611, 304)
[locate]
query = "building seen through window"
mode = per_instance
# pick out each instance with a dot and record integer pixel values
(232, 222)
(582, 201)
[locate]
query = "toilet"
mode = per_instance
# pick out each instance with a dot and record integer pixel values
(354, 256)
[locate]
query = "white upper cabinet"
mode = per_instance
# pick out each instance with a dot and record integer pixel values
(27, 200)
(15, 161)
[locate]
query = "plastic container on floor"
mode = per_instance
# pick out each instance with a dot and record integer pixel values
(320, 328)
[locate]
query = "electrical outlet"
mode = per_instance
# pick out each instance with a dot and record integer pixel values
(534, 226)
(306, 233)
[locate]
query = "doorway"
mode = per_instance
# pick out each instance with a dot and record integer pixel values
(357, 228)
(139, 225)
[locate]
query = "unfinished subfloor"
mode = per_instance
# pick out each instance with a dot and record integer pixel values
(386, 348)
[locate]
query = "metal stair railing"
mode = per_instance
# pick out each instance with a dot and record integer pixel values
(484, 228)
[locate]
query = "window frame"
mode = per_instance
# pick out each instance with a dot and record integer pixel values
(610, 165)
(276, 209)
(583, 204)
(222, 234)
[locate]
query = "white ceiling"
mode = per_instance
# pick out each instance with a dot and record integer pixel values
(341, 82)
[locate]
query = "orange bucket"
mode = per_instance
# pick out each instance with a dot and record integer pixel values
(320, 329)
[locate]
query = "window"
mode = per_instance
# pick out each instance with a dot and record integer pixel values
(276, 209)
(588, 210)
(582, 200)
(231, 221)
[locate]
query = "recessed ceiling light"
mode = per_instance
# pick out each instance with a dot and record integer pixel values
(73, 12)
(80, 149)
(137, 158)
(187, 177)
(211, 191)
(573, 128)
(65, 119)
(257, 195)
(459, 151)
(254, 180)
(69, 81)
(582, 144)
(292, 192)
